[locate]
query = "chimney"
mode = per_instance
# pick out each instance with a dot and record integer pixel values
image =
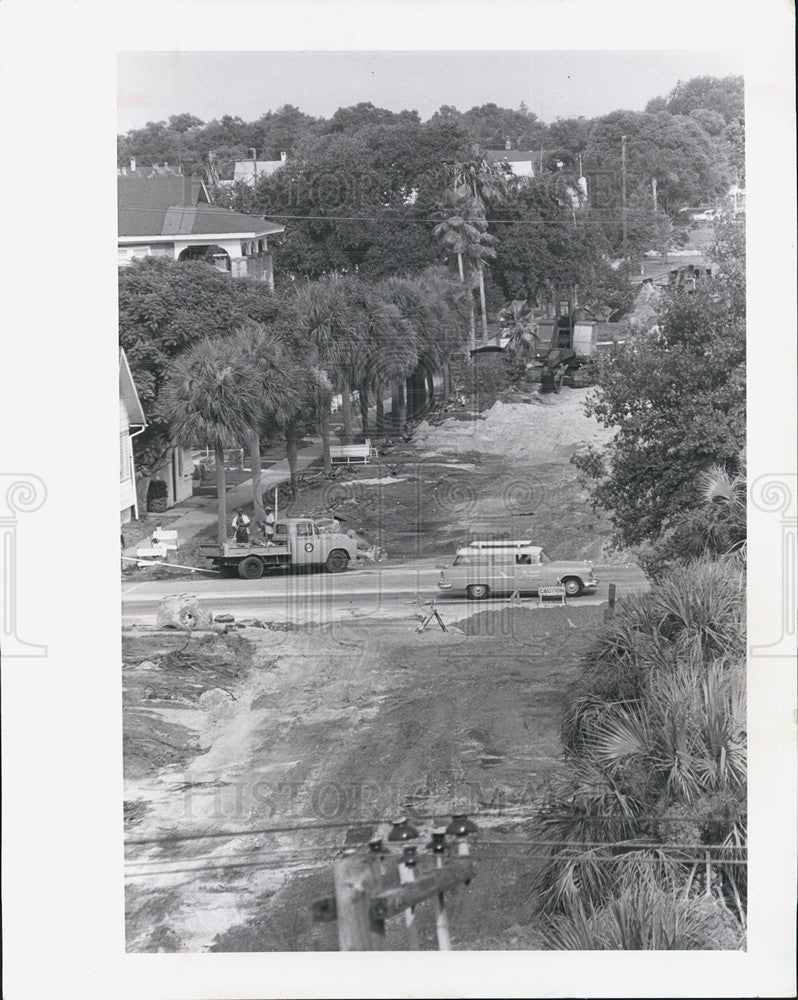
(132, 164)
(283, 157)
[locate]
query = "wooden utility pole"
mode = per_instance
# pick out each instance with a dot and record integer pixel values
(357, 880)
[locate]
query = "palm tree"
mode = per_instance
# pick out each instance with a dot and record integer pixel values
(487, 184)
(453, 304)
(384, 337)
(264, 352)
(212, 400)
(518, 324)
(464, 232)
(329, 330)
(655, 745)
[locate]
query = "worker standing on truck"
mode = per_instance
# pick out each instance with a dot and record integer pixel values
(268, 526)
(241, 526)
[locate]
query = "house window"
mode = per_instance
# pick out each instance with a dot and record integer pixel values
(125, 464)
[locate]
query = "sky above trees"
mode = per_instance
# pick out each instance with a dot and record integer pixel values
(154, 85)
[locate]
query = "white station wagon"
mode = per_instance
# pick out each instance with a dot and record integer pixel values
(485, 568)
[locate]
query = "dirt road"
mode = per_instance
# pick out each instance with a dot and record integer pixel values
(349, 726)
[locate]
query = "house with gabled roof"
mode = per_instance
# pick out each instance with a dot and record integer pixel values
(131, 422)
(169, 215)
(518, 160)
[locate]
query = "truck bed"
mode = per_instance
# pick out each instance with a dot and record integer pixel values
(235, 551)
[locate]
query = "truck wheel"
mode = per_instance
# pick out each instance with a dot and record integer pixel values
(250, 568)
(573, 586)
(337, 561)
(477, 592)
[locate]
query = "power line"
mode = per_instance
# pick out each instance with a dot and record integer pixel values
(382, 821)
(566, 221)
(493, 856)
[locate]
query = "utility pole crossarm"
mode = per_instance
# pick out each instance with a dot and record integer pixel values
(392, 902)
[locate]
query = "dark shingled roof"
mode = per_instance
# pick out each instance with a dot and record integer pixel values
(169, 205)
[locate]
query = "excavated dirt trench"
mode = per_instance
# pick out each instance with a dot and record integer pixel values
(340, 727)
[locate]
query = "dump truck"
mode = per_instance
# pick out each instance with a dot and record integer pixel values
(297, 541)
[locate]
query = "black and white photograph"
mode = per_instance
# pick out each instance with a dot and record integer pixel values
(455, 586)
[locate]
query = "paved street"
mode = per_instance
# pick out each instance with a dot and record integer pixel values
(384, 591)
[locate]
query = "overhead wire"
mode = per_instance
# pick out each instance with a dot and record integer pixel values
(383, 821)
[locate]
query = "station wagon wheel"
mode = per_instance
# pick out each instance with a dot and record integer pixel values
(250, 568)
(477, 591)
(573, 586)
(337, 561)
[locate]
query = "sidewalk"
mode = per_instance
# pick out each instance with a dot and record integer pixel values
(198, 513)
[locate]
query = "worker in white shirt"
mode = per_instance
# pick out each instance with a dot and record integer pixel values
(241, 526)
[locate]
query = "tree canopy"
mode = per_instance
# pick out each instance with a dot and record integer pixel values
(675, 393)
(167, 306)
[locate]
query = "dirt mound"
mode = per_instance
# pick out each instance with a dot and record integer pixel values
(535, 432)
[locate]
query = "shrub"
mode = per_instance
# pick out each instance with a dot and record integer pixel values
(646, 916)
(157, 495)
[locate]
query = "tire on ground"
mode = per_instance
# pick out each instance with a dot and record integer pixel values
(337, 561)
(250, 568)
(573, 586)
(477, 591)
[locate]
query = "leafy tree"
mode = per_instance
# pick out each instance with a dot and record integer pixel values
(166, 306)
(675, 394)
(673, 149)
(723, 95)
(491, 126)
(364, 114)
(569, 134)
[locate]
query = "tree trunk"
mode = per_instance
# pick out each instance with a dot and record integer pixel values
(324, 431)
(411, 396)
(291, 453)
(346, 409)
(364, 408)
(379, 416)
(221, 497)
(472, 340)
(482, 304)
(447, 380)
(254, 456)
(401, 407)
(430, 387)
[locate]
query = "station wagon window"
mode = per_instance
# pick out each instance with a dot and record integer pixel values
(543, 557)
(524, 559)
(304, 528)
